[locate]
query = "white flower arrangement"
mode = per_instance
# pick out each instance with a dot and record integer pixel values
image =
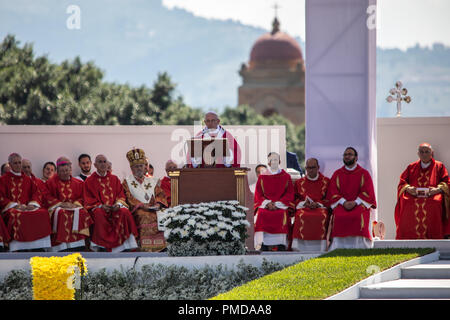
(211, 228)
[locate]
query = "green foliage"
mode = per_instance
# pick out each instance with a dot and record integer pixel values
(321, 277)
(35, 91)
(152, 282)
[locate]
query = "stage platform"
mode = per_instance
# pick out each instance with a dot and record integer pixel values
(125, 260)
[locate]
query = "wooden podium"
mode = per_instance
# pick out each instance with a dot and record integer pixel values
(195, 185)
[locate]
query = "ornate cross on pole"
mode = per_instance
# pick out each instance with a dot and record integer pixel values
(396, 95)
(276, 7)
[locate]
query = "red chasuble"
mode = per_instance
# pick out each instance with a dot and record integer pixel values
(110, 229)
(422, 218)
(232, 143)
(165, 186)
(23, 225)
(273, 187)
(64, 230)
(350, 185)
(311, 224)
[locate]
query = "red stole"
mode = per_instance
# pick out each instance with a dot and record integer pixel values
(422, 218)
(350, 185)
(316, 190)
(63, 191)
(23, 225)
(111, 229)
(100, 190)
(311, 224)
(165, 186)
(58, 191)
(273, 187)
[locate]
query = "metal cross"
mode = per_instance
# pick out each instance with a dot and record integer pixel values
(396, 95)
(276, 7)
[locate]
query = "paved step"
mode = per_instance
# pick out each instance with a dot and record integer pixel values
(408, 289)
(435, 270)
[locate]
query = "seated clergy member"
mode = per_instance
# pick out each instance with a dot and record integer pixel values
(274, 197)
(213, 129)
(48, 170)
(114, 228)
(27, 170)
(5, 168)
(64, 197)
(260, 169)
(351, 196)
(165, 181)
(28, 224)
(85, 164)
(145, 197)
(422, 199)
(311, 218)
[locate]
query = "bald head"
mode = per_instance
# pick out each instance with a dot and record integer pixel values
(425, 152)
(312, 167)
(101, 164)
(26, 167)
(170, 166)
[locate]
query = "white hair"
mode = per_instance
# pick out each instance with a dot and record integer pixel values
(212, 112)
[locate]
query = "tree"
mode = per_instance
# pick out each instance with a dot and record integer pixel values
(35, 91)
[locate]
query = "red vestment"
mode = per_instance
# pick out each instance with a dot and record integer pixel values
(165, 186)
(110, 229)
(219, 163)
(311, 224)
(351, 185)
(273, 187)
(422, 218)
(23, 225)
(58, 191)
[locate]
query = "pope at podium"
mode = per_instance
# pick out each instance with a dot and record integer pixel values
(214, 131)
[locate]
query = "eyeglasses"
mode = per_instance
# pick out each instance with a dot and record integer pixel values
(348, 154)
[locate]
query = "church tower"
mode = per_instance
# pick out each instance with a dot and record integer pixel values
(274, 78)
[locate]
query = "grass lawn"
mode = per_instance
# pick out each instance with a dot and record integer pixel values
(323, 276)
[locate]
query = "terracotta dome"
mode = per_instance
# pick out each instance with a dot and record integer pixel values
(275, 45)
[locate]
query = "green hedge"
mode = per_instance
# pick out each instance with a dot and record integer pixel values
(322, 277)
(152, 282)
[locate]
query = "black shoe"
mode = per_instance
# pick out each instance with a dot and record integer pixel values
(264, 247)
(281, 247)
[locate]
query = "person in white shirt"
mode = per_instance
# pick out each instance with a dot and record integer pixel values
(85, 163)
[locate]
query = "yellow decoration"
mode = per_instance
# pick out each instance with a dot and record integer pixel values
(53, 277)
(136, 156)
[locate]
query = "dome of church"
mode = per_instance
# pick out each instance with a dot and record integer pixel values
(275, 45)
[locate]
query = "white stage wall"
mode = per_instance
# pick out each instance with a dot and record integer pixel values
(40, 144)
